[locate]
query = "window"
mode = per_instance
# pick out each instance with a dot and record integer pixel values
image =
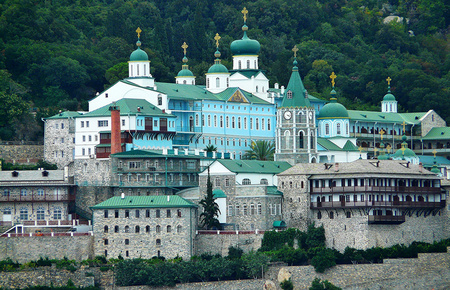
(127, 241)
(158, 228)
(82, 124)
(319, 215)
(158, 213)
(23, 192)
(209, 120)
(147, 213)
(217, 82)
(264, 181)
(23, 214)
(257, 124)
(168, 213)
(40, 192)
(105, 229)
(239, 123)
(137, 229)
(147, 229)
(215, 120)
(248, 63)
(227, 182)
(237, 211)
(158, 242)
(169, 229)
(338, 128)
(221, 121)
(116, 229)
(87, 124)
(179, 213)
(245, 123)
(348, 214)
(252, 209)
(246, 181)
(106, 242)
(103, 123)
(127, 213)
(233, 125)
(40, 214)
(227, 122)
(134, 164)
(331, 214)
(179, 228)
(217, 181)
(6, 192)
(230, 210)
(327, 129)
(251, 123)
(62, 125)
(116, 213)
(106, 213)
(245, 209)
(137, 213)
(289, 94)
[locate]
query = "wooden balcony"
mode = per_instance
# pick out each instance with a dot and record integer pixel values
(36, 197)
(386, 219)
(376, 189)
(390, 204)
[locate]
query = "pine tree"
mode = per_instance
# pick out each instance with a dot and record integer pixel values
(210, 208)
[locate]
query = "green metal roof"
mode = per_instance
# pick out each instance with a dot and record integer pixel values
(273, 190)
(130, 107)
(218, 193)
(155, 201)
(138, 55)
(333, 110)
(389, 97)
(328, 145)
(248, 73)
(65, 115)
(185, 92)
(296, 87)
(349, 146)
(185, 73)
(217, 68)
(369, 116)
(245, 46)
(279, 224)
(255, 166)
(438, 133)
(153, 153)
(226, 95)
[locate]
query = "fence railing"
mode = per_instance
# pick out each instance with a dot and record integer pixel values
(52, 234)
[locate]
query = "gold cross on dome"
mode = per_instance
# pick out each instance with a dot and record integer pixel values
(404, 126)
(375, 151)
(388, 148)
(360, 149)
(434, 153)
(332, 77)
(295, 49)
(403, 150)
(245, 12)
(382, 132)
(184, 46)
(138, 30)
(217, 38)
(389, 81)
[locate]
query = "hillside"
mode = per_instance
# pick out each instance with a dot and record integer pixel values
(58, 54)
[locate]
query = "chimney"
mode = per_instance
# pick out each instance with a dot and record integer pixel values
(421, 167)
(282, 89)
(168, 198)
(277, 86)
(407, 164)
(115, 129)
(122, 195)
(336, 167)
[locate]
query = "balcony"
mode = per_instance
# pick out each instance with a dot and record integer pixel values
(386, 219)
(376, 189)
(161, 183)
(390, 204)
(37, 198)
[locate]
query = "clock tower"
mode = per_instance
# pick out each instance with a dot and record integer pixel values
(296, 131)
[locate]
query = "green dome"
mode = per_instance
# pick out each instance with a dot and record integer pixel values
(185, 73)
(138, 55)
(333, 110)
(245, 46)
(406, 153)
(383, 157)
(389, 97)
(217, 68)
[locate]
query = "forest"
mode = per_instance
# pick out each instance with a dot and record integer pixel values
(56, 55)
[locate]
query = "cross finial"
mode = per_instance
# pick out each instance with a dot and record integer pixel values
(382, 132)
(217, 38)
(332, 77)
(389, 81)
(360, 149)
(404, 126)
(434, 153)
(138, 30)
(295, 49)
(375, 151)
(245, 12)
(388, 148)
(184, 46)
(403, 150)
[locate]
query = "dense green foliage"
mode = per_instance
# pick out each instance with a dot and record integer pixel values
(208, 217)
(40, 164)
(260, 150)
(58, 54)
(317, 284)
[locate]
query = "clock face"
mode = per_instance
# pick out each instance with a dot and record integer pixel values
(288, 115)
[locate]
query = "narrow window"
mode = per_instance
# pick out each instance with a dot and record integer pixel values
(137, 229)
(105, 229)
(116, 229)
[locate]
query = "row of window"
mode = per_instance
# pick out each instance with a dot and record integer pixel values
(100, 123)
(24, 214)
(89, 138)
(153, 165)
(57, 126)
(325, 183)
(137, 229)
(137, 213)
(331, 215)
(236, 210)
(38, 192)
(236, 123)
(378, 198)
(238, 107)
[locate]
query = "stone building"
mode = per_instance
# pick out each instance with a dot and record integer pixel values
(366, 203)
(144, 227)
(246, 192)
(36, 198)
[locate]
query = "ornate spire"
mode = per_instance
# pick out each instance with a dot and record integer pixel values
(333, 77)
(295, 49)
(217, 54)
(185, 59)
(389, 84)
(138, 31)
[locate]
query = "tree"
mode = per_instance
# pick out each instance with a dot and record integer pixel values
(210, 148)
(260, 150)
(323, 260)
(210, 208)
(317, 284)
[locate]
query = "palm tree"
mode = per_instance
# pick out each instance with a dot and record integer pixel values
(260, 150)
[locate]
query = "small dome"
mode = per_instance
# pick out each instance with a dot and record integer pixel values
(333, 110)
(245, 46)
(138, 55)
(217, 68)
(383, 157)
(405, 153)
(389, 97)
(185, 73)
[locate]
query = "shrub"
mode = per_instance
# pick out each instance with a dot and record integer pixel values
(317, 284)
(287, 285)
(323, 260)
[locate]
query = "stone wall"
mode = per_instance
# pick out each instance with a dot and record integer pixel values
(22, 154)
(59, 141)
(296, 201)
(88, 196)
(218, 244)
(431, 120)
(25, 249)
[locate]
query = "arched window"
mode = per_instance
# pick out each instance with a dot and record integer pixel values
(127, 229)
(338, 128)
(239, 123)
(264, 181)
(252, 209)
(245, 123)
(237, 211)
(248, 63)
(105, 229)
(256, 88)
(158, 242)
(227, 121)
(158, 228)
(217, 82)
(233, 122)
(256, 123)
(259, 208)
(147, 229)
(209, 120)
(179, 228)
(268, 124)
(346, 129)
(169, 229)
(196, 120)
(184, 82)
(245, 209)
(215, 120)
(327, 129)
(246, 181)
(319, 215)
(221, 121)
(262, 124)
(116, 229)
(312, 142)
(137, 229)
(301, 138)
(207, 83)
(289, 94)
(288, 140)
(239, 64)
(230, 210)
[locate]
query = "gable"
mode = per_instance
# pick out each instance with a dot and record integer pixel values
(238, 97)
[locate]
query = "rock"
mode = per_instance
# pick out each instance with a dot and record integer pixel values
(284, 274)
(269, 285)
